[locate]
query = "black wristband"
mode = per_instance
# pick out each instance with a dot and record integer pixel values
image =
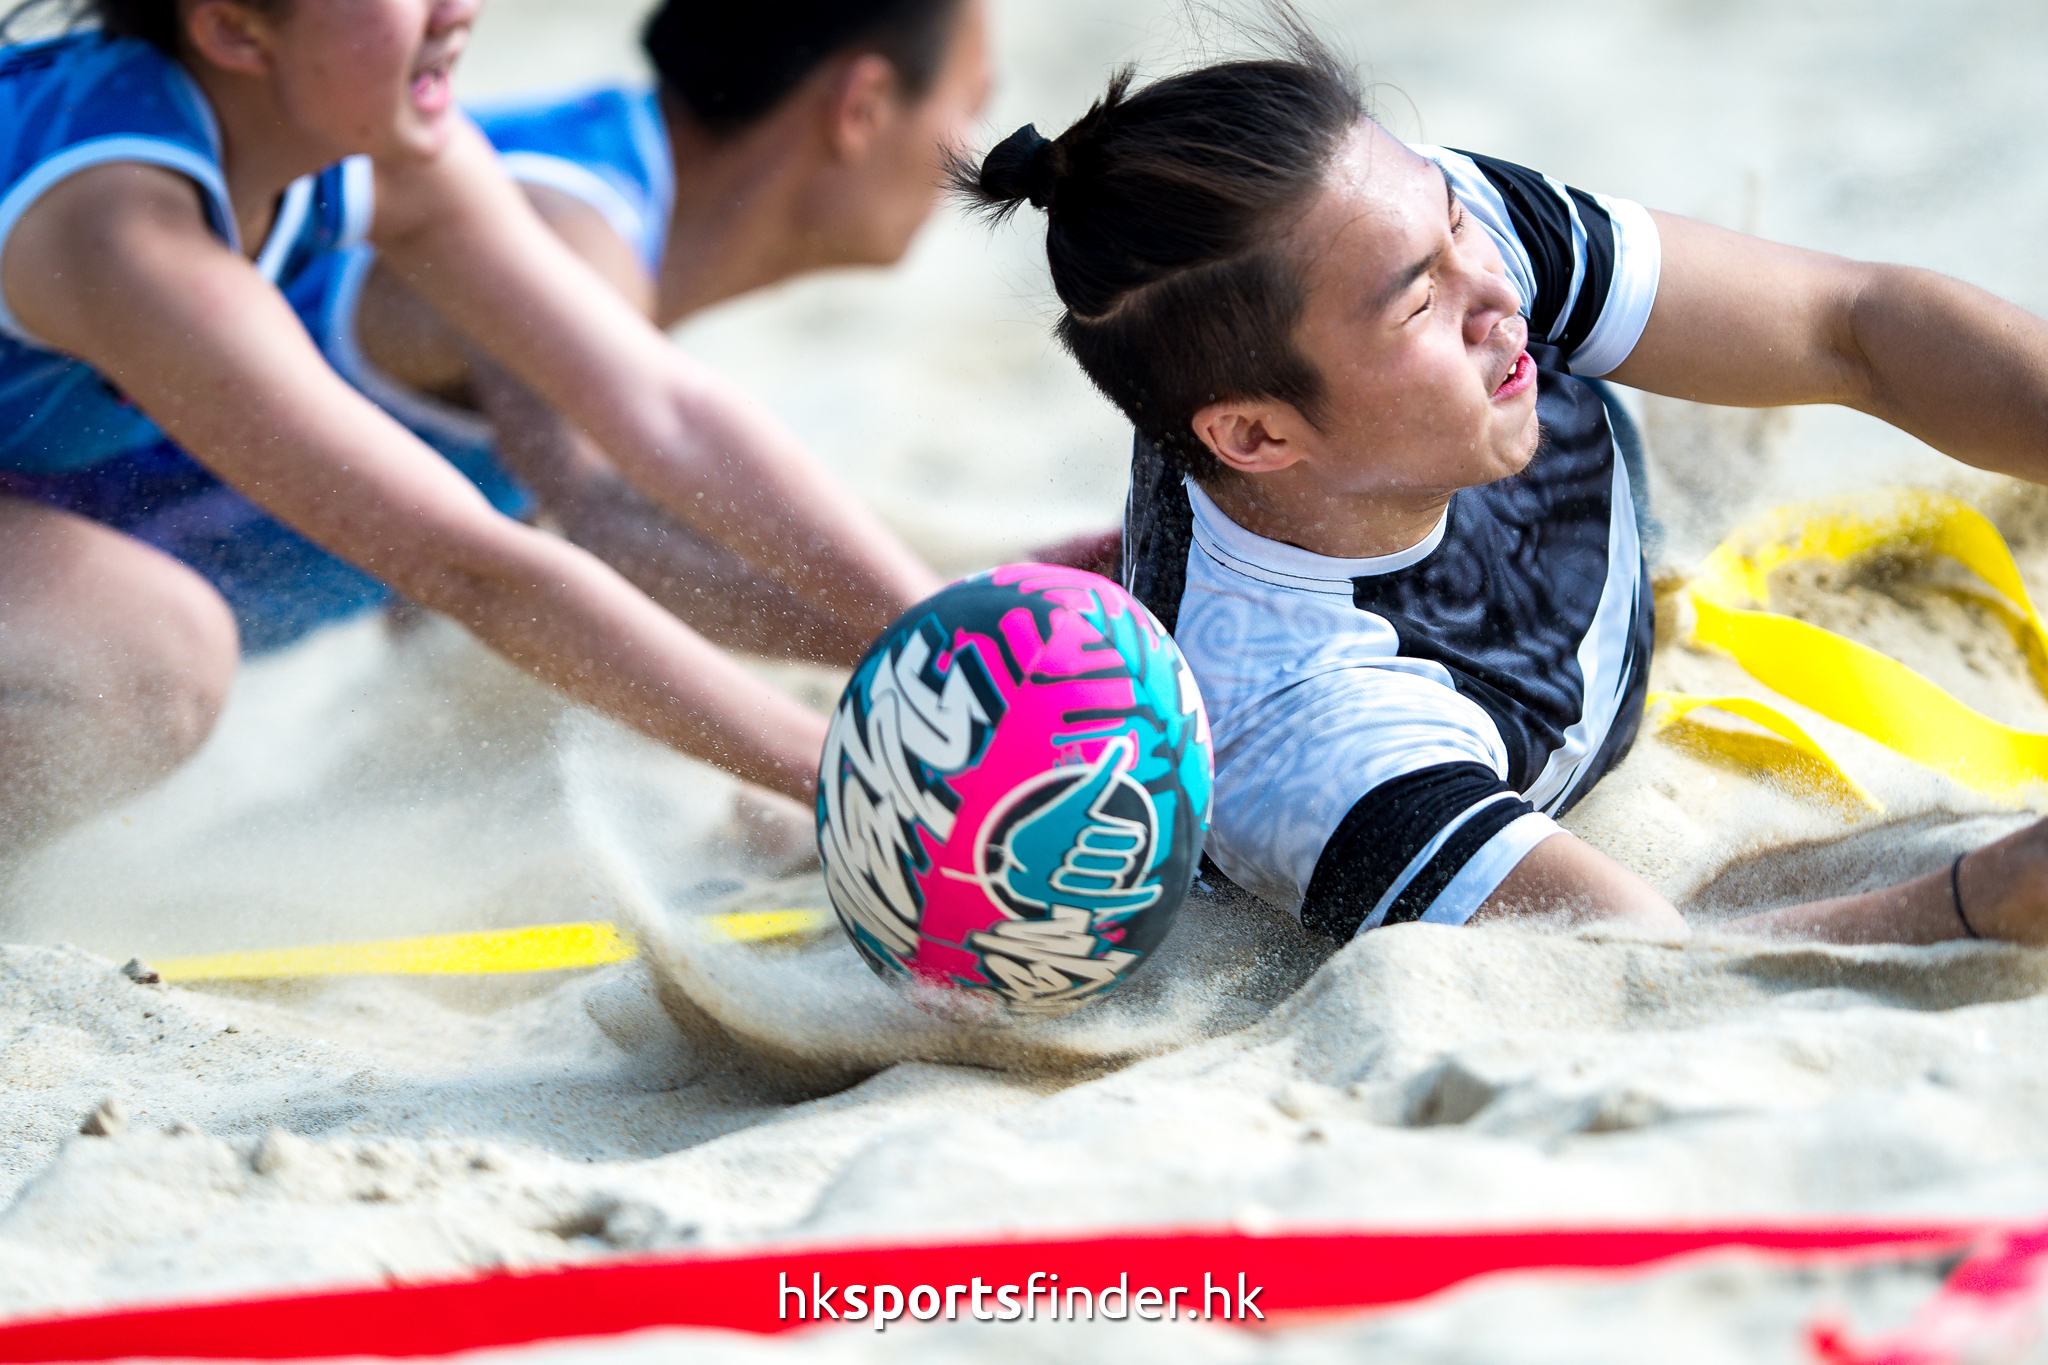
(1955, 893)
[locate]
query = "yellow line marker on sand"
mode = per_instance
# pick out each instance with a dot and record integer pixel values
(539, 948)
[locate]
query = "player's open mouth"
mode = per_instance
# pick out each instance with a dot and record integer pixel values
(1520, 376)
(432, 89)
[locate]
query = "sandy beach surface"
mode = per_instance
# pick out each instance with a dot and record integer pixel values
(372, 783)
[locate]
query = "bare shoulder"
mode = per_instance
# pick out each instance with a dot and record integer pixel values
(591, 235)
(101, 203)
(91, 233)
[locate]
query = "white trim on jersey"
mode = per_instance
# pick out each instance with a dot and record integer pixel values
(1378, 914)
(580, 182)
(1285, 566)
(1603, 654)
(1485, 870)
(285, 227)
(1571, 295)
(358, 201)
(153, 151)
(1638, 265)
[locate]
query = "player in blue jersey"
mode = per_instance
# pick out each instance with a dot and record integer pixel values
(1388, 515)
(783, 137)
(167, 178)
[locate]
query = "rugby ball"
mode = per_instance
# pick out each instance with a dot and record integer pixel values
(1014, 790)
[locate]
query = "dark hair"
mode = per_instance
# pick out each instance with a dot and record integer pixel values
(1164, 212)
(153, 21)
(731, 61)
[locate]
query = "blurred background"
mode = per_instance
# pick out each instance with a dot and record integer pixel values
(364, 784)
(1889, 130)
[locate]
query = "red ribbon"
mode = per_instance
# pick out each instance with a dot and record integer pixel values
(1989, 1310)
(1297, 1276)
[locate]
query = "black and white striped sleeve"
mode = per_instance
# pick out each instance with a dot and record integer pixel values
(1586, 264)
(1431, 844)
(1361, 795)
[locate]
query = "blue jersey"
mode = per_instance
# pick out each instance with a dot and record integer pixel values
(607, 147)
(85, 100)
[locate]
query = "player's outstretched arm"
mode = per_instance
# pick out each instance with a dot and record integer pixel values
(462, 235)
(723, 597)
(1564, 881)
(715, 592)
(2001, 887)
(1999, 891)
(117, 266)
(1749, 323)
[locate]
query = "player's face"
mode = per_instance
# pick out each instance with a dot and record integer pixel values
(370, 75)
(1415, 329)
(904, 172)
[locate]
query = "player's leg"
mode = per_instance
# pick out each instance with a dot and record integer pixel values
(114, 663)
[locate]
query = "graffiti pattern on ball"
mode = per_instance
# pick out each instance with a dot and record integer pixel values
(1057, 724)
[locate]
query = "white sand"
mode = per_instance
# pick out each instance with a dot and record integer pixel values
(717, 1096)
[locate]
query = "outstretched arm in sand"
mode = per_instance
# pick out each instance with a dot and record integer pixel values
(1999, 891)
(1748, 323)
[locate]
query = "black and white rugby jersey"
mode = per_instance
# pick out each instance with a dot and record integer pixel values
(1394, 734)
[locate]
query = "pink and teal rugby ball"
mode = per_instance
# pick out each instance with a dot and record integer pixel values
(1015, 789)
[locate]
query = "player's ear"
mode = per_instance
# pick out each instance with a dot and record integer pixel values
(863, 100)
(230, 35)
(1250, 438)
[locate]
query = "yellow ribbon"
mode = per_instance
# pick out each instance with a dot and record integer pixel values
(1796, 755)
(1851, 683)
(539, 948)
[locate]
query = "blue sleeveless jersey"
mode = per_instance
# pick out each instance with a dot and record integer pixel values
(607, 147)
(84, 100)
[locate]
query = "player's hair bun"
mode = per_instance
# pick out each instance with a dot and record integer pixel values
(1167, 213)
(1022, 166)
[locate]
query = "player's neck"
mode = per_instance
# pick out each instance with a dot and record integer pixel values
(259, 158)
(1348, 526)
(739, 221)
